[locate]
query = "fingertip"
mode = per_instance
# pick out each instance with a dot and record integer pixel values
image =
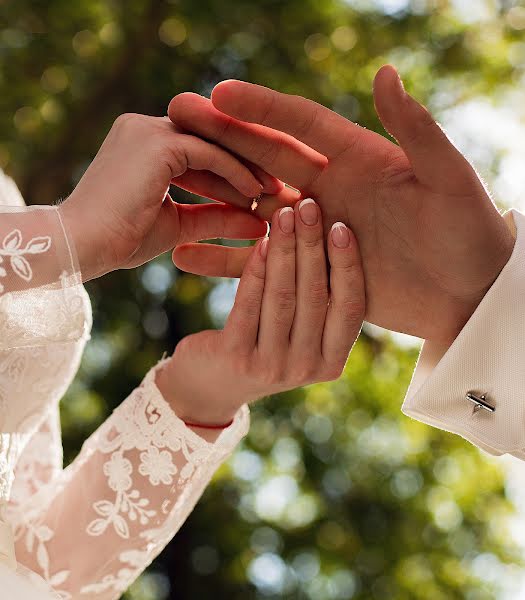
(177, 255)
(388, 93)
(341, 236)
(252, 187)
(225, 94)
(273, 186)
(387, 75)
(181, 100)
(308, 213)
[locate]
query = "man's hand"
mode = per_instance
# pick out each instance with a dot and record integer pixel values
(120, 215)
(431, 239)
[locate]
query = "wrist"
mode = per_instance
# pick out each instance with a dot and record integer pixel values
(87, 249)
(498, 255)
(196, 407)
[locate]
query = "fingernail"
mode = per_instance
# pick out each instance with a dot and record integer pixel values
(308, 212)
(264, 247)
(286, 219)
(340, 235)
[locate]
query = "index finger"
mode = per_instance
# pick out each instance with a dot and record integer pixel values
(305, 120)
(276, 152)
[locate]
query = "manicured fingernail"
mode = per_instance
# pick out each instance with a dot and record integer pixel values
(286, 219)
(308, 212)
(264, 247)
(340, 235)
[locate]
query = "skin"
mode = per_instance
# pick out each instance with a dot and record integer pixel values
(431, 239)
(120, 215)
(286, 329)
(292, 324)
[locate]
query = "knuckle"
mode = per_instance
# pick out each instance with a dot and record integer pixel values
(249, 307)
(285, 300)
(174, 155)
(318, 294)
(274, 375)
(333, 372)
(127, 120)
(256, 272)
(269, 154)
(347, 270)
(305, 372)
(243, 362)
(311, 113)
(352, 311)
(286, 249)
(312, 242)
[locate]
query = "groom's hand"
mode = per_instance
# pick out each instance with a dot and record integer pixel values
(431, 239)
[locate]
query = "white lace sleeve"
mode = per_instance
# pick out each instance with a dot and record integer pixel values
(39, 463)
(102, 521)
(41, 295)
(45, 318)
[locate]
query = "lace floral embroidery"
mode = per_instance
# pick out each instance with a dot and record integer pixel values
(118, 470)
(12, 248)
(152, 429)
(148, 425)
(150, 470)
(158, 466)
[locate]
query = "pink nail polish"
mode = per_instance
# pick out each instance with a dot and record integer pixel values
(308, 211)
(286, 219)
(340, 235)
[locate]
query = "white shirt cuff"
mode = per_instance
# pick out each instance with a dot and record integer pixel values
(487, 358)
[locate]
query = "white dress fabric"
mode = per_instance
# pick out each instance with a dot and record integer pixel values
(485, 358)
(89, 530)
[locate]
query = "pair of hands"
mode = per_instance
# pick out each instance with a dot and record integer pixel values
(431, 239)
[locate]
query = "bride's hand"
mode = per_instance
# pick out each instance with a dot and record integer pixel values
(120, 216)
(290, 325)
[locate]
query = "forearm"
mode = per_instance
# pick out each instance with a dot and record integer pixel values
(125, 496)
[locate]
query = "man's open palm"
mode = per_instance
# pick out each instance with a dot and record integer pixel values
(431, 239)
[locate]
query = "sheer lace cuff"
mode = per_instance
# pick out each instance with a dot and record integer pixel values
(41, 295)
(146, 418)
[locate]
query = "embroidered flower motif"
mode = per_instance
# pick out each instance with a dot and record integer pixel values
(12, 247)
(118, 470)
(158, 466)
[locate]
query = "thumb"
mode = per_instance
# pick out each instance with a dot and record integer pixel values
(435, 160)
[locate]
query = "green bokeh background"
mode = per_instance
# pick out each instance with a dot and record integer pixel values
(334, 494)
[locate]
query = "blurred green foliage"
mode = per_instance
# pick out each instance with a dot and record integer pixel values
(334, 494)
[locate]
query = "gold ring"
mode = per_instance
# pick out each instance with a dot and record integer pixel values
(256, 201)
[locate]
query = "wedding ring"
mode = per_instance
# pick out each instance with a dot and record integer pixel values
(256, 202)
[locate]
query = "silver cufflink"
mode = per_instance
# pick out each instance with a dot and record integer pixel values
(480, 402)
